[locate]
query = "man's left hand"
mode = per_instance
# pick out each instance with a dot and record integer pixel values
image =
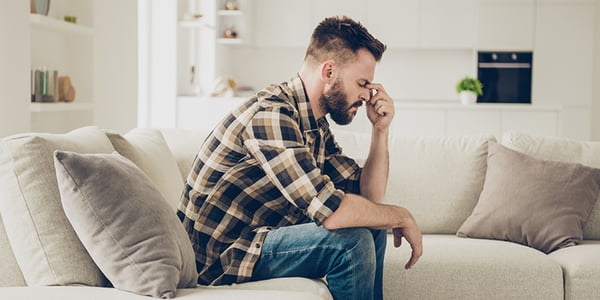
(380, 108)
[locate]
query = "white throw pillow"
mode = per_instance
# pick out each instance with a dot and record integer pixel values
(147, 148)
(45, 245)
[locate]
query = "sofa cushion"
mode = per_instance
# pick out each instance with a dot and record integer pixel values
(184, 144)
(561, 149)
(128, 228)
(437, 178)
(10, 273)
(534, 202)
(458, 268)
(147, 148)
(581, 268)
(44, 243)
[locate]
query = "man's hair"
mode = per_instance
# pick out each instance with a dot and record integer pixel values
(340, 38)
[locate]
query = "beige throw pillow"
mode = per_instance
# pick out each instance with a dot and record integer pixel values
(539, 203)
(125, 224)
(561, 149)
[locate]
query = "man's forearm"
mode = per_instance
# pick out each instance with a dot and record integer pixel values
(356, 211)
(374, 177)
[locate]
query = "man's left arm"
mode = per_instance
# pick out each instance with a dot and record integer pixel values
(374, 176)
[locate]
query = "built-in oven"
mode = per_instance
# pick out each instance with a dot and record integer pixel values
(505, 76)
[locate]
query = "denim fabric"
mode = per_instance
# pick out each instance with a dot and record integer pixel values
(351, 259)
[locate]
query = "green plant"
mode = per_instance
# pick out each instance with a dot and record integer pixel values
(469, 84)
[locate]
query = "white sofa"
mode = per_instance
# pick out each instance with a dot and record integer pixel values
(439, 179)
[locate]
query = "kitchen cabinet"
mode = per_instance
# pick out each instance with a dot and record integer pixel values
(564, 45)
(67, 48)
(395, 22)
(447, 24)
(355, 9)
(469, 121)
(281, 23)
(505, 25)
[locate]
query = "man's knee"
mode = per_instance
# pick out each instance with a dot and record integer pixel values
(358, 243)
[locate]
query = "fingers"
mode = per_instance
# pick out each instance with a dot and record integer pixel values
(417, 252)
(397, 237)
(380, 101)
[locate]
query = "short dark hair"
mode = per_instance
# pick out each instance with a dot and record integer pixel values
(340, 38)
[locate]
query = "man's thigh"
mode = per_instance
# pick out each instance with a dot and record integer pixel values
(308, 250)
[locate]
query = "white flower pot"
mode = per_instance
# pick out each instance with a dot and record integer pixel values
(468, 97)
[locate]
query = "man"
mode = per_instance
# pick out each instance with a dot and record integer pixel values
(271, 194)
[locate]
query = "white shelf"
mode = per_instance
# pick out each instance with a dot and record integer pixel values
(193, 24)
(224, 12)
(60, 106)
(229, 41)
(56, 24)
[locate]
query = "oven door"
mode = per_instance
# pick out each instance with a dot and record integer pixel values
(507, 81)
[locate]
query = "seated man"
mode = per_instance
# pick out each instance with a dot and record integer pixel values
(272, 195)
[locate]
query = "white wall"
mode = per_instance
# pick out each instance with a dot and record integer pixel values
(14, 74)
(596, 92)
(115, 64)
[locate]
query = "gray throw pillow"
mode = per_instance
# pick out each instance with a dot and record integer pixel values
(539, 203)
(125, 224)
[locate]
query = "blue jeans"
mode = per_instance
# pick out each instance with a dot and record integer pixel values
(351, 259)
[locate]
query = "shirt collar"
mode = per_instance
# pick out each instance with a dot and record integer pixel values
(307, 118)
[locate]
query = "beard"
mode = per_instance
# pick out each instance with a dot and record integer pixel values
(335, 104)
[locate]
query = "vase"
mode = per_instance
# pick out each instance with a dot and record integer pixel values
(468, 97)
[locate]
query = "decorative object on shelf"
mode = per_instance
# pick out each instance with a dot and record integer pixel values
(44, 85)
(39, 7)
(66, 91)
(469, 88)
(224, 87)
(70, 19)
(231, 5)
(194, 87)
(230, 33)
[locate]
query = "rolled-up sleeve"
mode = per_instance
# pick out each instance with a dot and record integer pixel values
(274, 139)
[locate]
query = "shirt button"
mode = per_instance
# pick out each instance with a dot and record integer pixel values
(257, 245)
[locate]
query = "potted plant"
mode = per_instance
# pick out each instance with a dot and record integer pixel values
(469, 88)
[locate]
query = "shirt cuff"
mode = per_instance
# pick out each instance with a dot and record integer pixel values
(325, 203)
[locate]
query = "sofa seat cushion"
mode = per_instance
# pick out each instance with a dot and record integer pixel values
(273, 289)
(463, 268)
(581, 266)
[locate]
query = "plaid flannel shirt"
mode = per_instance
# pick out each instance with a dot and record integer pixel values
(267, 164)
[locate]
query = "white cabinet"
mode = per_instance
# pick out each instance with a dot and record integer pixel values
(281, 23)
(447, 24)
(419, 122)
(564, 45)
(474, 122)
(506, 24)
(395, 22)
(355, 9)
(67, 48)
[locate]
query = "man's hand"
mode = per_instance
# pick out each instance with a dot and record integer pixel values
(413, 236)
(380, 108)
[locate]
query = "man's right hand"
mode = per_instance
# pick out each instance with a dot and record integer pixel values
(413, 236)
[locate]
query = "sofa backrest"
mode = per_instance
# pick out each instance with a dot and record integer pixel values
(438, 179)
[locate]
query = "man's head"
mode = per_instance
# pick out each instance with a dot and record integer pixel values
(340, 38)
(344, 53)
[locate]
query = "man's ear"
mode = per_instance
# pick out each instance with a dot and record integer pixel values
(327, 71)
